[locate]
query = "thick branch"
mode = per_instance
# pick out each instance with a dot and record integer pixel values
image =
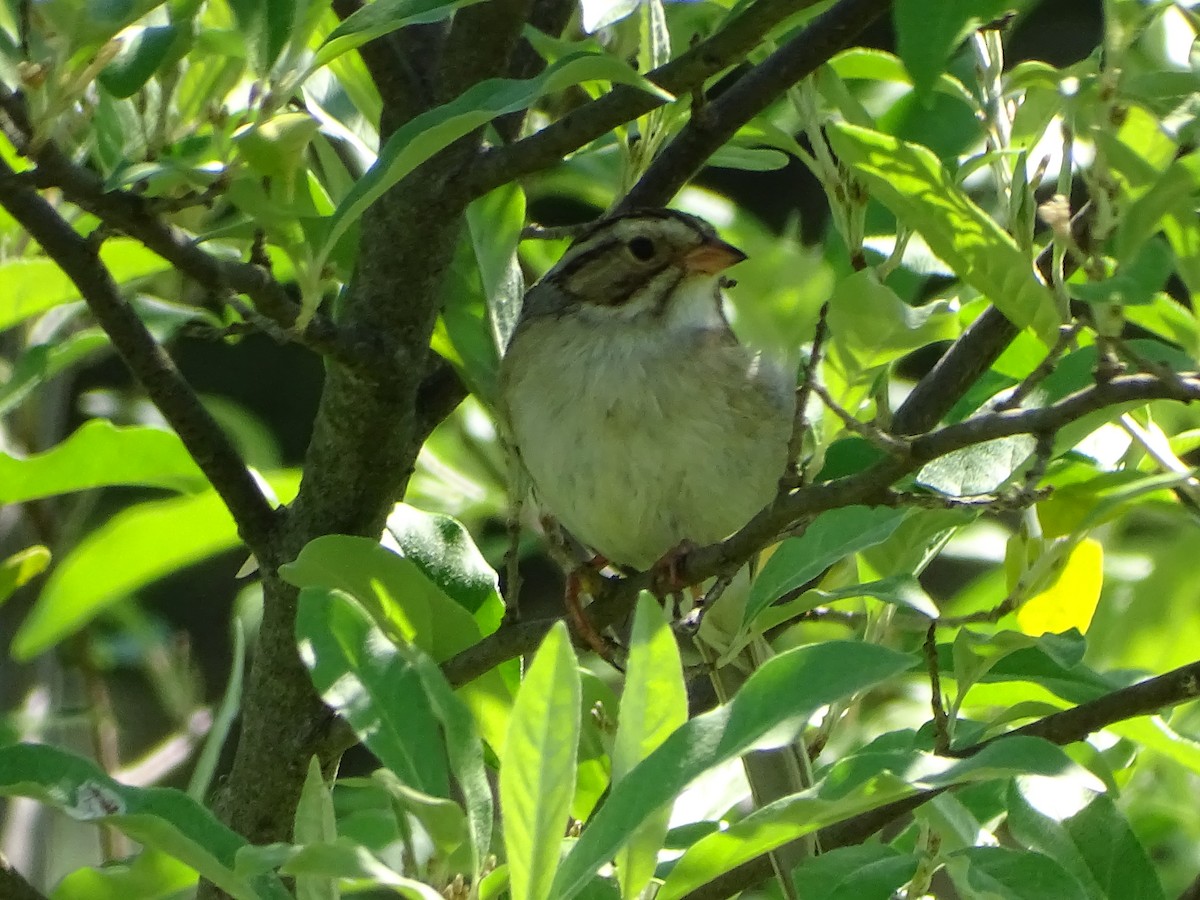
(868, 487)
(149, 362)
(134, 215)
(1062, 728)
(365, 441)
(718, 121)
(685, 72)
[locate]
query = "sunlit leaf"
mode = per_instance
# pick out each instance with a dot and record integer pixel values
(788, 688)
(162, 818)
(98, 454)
(653, 705)
(151, 540)
(833, 536)
(29, 286)
(537, 778)
(21, 568)
(911, 182)
(1070, 601)
(426, 134)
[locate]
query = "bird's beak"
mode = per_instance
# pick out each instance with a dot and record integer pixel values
(713, 256)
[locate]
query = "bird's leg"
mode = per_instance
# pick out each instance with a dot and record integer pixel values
(665, 577)
(580, 624)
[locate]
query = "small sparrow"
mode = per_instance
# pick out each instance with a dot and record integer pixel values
(640, 419)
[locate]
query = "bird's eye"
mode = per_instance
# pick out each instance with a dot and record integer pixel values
(642, 248)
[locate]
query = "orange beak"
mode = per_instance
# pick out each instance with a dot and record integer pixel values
(712, 256)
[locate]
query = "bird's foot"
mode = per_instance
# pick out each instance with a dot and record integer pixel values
(666, 575)
(577, 617)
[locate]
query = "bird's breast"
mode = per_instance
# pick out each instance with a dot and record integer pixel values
(636, 444)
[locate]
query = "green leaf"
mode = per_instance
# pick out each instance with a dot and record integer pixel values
(151, 540)
(430, 132)
(909, 180)
(870, 64)
(1135, 283)
(537, 777)
(29, 286)
(376, 19)
(869, 872)
(996, 873)
(980, 469)
(343, 859)
(465, 752)
(423, 600)
(833, 536)
(405, 603)
(139, 59)
(162, 818)
(852, 786)
(1046, 835)
(653, 705)
(315, 824)
(1171, 195)
(928, 32)
(360, 673)
(99, 454)
(787, 689)
(1115, 857)
(43, 361)
(898, 590)
(749, 159)
(150, 875)
(873, 326)
(446, 553)
(495, 222)
(21, 568)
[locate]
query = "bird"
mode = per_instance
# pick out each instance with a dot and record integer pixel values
(640, 420)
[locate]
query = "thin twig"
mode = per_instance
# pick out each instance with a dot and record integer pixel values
(887, 443)
(204, 439)
(941, 724)
(870, 486)
(824, 36)
(137, 216)
(730, 45)
(792, 476)
(1066, 337)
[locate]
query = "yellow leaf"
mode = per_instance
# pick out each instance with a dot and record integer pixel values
(1070, 602)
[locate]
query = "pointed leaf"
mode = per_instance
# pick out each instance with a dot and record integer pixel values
(162, 818)
(787, 689)
(97, 454)
(653, 705)
(833, 536)
(362, 675)
(537, 779)
(430, 132)
(911, 182)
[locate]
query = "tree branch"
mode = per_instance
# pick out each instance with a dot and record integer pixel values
(719, 120)
(201, 435)
(685, 72)
(869, 487)
(13, 885)
(134, 215)
(1062, 728)
(365, 440)
(976, 349)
